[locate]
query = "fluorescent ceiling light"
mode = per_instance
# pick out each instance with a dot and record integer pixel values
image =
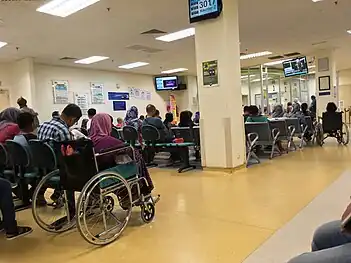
(348, 31)
(134, 65)
(177, 35)
(313, 72)
(274, 63)
(2, 44)
(91, 60)
(255, 55)
(63, 8)
(313, 66)
(174, 70)
(315, 1)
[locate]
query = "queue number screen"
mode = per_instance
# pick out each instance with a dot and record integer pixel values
(203, 7)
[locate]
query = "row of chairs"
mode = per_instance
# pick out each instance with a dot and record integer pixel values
(271, 133)
(24, 168)
(151, 141)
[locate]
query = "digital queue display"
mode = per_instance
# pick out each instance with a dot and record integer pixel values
(200, 10)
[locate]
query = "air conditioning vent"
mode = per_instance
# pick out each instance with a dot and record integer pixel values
(293, 54)
(68, 59)
(153, 32)
(276, 57)
(145, 49)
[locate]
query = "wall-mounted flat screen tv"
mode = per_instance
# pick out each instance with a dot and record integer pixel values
(166, 83)
(295, 67)
(200, 10)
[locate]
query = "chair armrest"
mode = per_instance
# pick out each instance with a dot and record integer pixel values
(291, 129)
(252, 138)
(275, 133)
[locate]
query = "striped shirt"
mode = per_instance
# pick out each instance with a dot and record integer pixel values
(55, 130)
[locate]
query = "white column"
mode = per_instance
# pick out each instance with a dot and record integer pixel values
(222, 126)
(23, 83)
(326, 67)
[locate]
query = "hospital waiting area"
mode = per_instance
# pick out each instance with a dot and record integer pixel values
(189, 131)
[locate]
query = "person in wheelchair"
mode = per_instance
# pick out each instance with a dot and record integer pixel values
(99, 133)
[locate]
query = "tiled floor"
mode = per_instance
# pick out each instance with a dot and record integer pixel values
(202, 217)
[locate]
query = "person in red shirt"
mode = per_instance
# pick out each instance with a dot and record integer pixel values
(8, 124)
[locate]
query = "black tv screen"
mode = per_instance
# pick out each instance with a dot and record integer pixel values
(166, 83)
(204, 9)
(295, 67)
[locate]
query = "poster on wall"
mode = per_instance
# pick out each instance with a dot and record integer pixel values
(148, 95)
(60, 89)
(210, 73)
(136, 93)
(82, 100)
(173, 107)
(131, 92)
(97, 93)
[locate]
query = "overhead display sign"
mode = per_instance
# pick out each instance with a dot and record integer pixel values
(200, 10)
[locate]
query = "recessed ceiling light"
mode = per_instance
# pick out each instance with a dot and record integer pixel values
(2, 44)
(348, 31)
(91, 60)
(255, 55)
(134, 65)
(177, 35)
(170, 71)
(315, 1)
(312, 66)
(63, 8)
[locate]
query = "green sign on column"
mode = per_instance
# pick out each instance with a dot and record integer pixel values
(210, 73)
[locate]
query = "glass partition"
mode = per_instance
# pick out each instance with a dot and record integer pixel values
(266, 87)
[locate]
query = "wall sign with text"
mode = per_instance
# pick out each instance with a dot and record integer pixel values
(200, 10)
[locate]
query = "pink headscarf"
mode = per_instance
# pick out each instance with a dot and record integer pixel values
(100, 127)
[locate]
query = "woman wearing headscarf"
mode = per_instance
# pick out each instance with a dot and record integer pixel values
(99, 133)
(278, 111)
(132, 119)
(297, 113)
(168, 120)
(8, 124)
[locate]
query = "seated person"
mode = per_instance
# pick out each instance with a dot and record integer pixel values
(26, 124)
(331, 107)
(132, 119)
(196, 119)
(168, 120)
(331, 244)
(8, 222)
(255, 116)
(119, 122)
(58, 128)
(297, 113)
(8, 124)
(185, 119)
(102, 140)
(278, 111)
(246, 112)
(165, 135)
(288, 112)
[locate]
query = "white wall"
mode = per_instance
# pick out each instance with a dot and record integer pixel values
(79, 81)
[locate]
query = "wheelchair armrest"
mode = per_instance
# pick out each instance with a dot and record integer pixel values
(252, 138)
(292, 130)
(304, 128)
(275, 133)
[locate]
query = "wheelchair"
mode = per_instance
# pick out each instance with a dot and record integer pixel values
(104, 198)
(332, 126)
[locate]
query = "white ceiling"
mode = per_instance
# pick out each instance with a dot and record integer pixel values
(280, 26)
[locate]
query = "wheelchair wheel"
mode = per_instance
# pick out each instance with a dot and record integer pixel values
(104, 208)
(345, 135)
(147, 212)
(49, 205)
